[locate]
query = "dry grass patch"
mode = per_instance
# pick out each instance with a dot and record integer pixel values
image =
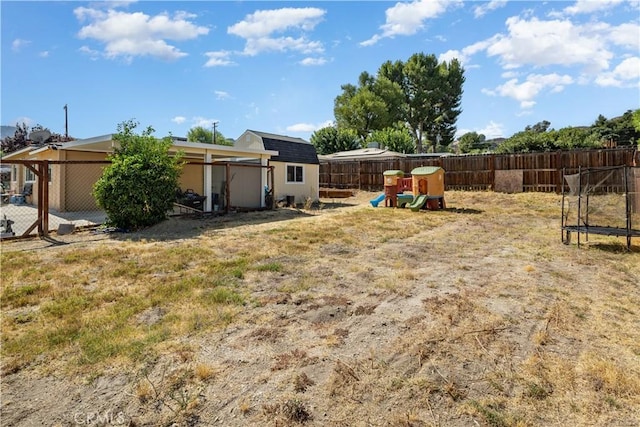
(473, 315)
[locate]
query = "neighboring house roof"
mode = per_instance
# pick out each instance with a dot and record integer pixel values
(363, 154)
(290, 149)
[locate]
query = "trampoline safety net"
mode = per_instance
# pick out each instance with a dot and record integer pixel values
(602, 201)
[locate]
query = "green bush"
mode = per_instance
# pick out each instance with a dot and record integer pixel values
(139, 187)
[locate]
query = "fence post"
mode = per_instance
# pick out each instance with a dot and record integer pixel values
(559, 168)
(492, 171)
(44, 198)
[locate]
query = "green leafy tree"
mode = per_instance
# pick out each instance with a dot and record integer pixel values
(527, 141)
(539, 127)
(396, 139)
(432, 93)
(139, 187)
(570, 138)
(603, 128)
(330, 140)
(441, 127)
(373, 105)
(205, 136)
(471, 142)
(623, 127)
(636, 120)
(539, 138)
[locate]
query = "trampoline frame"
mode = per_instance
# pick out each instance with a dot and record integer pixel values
(583, 226)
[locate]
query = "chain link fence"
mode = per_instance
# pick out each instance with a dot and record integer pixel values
(41, 196)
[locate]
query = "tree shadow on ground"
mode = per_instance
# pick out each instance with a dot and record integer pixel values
(190, 226)
(464, 211)
(615, 248)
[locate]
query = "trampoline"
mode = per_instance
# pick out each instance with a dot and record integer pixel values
(603, 201)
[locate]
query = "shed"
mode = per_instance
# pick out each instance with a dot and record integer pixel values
(296, 167)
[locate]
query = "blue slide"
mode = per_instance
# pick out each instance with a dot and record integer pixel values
(377, 200)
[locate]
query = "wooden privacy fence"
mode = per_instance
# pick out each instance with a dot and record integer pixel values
(540, 172)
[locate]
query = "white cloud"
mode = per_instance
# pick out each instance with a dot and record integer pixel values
(258, 30)
(451, 54)
(464, 56)
(91, 53)
(405, 19)
(481, 10)
(221, 95)
(308, 127)
(313, 61)
(44, 54)
(18, 44)
(134, 34)
(555, 42)
(282, 44)
(509, 74)
(543, 44)
(492, 130)
(590, 6)
(626, 35)
(179, 119)
(626, 74)
(218, 59)
(203, 122)
(525, 92)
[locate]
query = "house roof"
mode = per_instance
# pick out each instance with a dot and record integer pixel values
(290, 149)
(106, 144)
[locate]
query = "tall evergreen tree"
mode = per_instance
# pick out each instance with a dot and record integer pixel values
(432, 94)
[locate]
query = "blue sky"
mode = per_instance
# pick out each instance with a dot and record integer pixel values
(278, 66)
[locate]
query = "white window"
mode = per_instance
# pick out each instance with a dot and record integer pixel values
(29, 175)
(295, 174)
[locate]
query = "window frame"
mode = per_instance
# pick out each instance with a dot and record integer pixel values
(296, 167)
(29, 175)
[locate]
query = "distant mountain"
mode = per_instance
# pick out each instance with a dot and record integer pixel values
(7, 131)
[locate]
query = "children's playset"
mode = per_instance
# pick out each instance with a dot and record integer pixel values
(424, 189)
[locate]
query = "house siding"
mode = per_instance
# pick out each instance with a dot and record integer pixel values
(76, 191)
(243, 195)
(309, 188)
(291, 151)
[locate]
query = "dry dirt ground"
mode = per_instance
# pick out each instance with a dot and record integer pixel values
(486, 319)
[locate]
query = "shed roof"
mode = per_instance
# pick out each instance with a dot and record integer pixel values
(290, 149)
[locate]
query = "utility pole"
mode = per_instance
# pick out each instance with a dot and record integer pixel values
(214, 131)
(66, 122)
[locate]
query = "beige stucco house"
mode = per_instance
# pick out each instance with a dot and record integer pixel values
(72, 176)
(296, 167)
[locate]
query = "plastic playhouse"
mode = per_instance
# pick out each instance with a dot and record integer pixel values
(423, 190)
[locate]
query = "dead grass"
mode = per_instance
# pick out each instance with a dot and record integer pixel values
(475, 315)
